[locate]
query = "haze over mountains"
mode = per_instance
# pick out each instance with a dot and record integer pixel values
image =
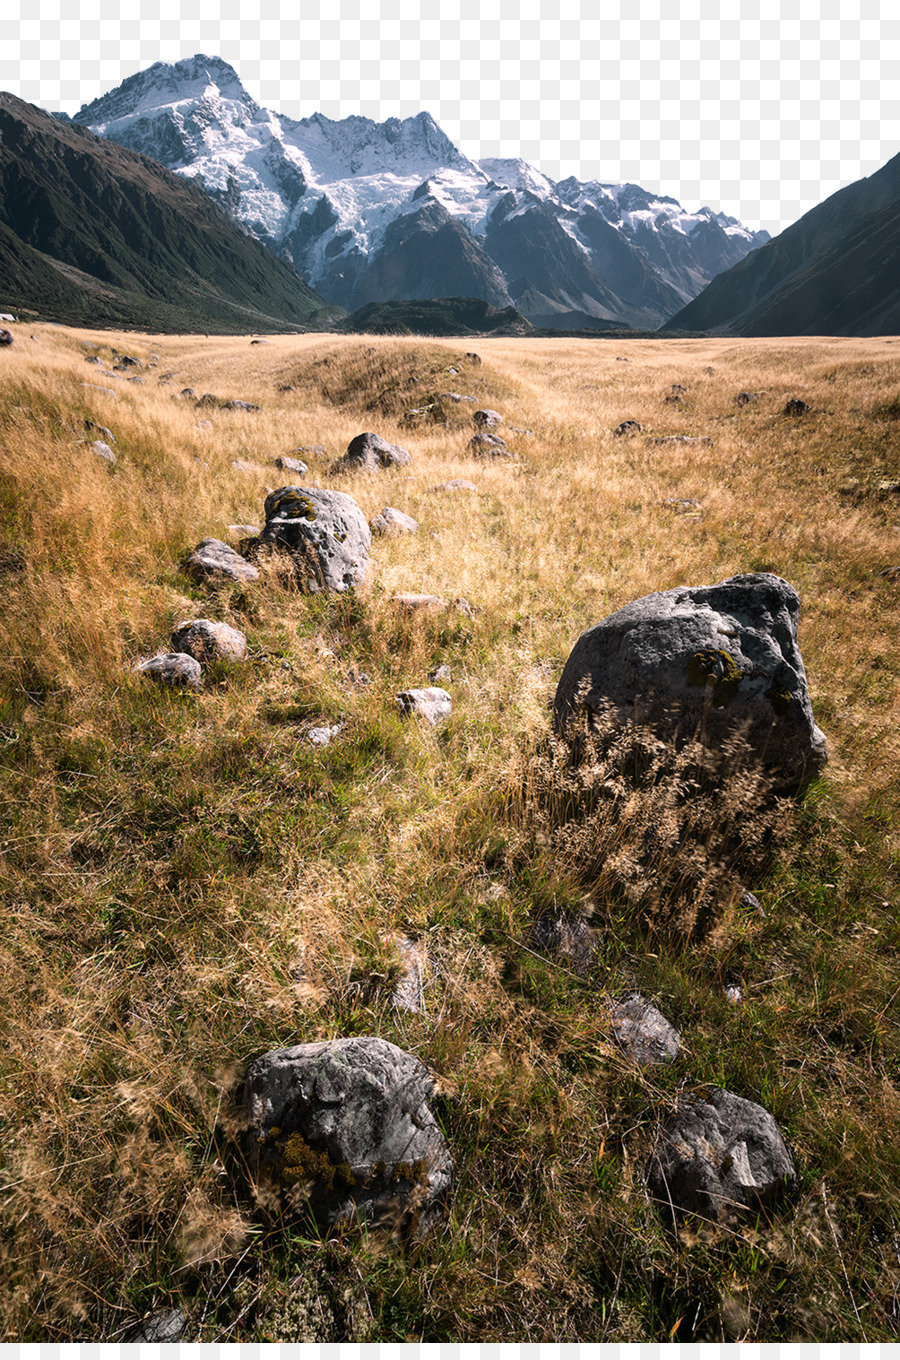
(368, 212)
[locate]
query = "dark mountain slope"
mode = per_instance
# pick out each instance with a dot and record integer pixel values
(134, 243)
(834, 272)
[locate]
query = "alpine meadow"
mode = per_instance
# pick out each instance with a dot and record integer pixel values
(278, 852)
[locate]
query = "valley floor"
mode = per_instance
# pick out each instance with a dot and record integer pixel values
(188, 881)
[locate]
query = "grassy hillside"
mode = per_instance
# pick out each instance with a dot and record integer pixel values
(187, 881)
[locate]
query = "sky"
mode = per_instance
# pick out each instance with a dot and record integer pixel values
(757, 108)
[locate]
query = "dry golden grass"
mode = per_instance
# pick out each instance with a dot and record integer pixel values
(187, 882)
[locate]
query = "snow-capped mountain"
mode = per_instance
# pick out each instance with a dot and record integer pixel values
(370, 212)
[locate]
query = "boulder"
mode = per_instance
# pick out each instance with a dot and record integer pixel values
(175, 669)
(370, 453)
(344, 1128)
(206, 641)
(212, 559)
(391, 523)
(711, 661)
(433, 704)
(487, 419)
(717, 1156)
(292, 465)
(643, 1032)
(325, 533)
(489, 446)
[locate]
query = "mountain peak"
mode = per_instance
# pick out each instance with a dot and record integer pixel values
(161, 85)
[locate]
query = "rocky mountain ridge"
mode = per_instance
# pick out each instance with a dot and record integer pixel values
(371, 212)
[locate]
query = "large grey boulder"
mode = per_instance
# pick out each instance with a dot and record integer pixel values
(344, 1127)
(324, 532)
(643, 1032)
(206, 640)
(719, 1155)
(368, 452)
(712, 661)
(176, 670)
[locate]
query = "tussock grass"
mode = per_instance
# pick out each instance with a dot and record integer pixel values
(188, 882)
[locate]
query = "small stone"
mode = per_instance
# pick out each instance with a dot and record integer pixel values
(239, 406)
(213, 559)
(292, 465)
(566, 935)
(322, 736)
(140, 381)
(204, 424)
(174, 669)
(473, 358)
(311, 449)
(287, 387)
(206, 640)
(455, 396)
(684, 439)
(644, 1032)
(487, 419)
(717, 1156)
(243, 530)
(160, 1328)
(108, 391)
(409, 993)
(391, 523)
(796, 407)
(241, 465)
(752, 903)
(620, 359)
(733, 993)
(442, 672)
(744, 398)
(413, 603)
(432, 704)
(93, 359)
(489, 446)
(627, 426)
(455, 484)
(207, 399)
(682, 505)
(190, 395)
(102, 450)
(462, 606)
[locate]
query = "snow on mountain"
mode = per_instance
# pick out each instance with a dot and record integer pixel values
(328, 194)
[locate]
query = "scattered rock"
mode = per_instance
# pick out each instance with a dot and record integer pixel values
(620, 359)
(159, 1328)
(673, 398)
(137, 380)
(324, 532)
(243, 530)
(239, 406)
(260, 342)
(566, 935)
(684, 439)
(93, 359)
(718, 1155)
(287, 387)
(310, 449)
(682, 505)
(409, 993)
(212, 559)
(744, 398)
(752, 903)
(442, 672)
(627, 426)
(6, 337)
(455, 484)
(322, 736)
(292, 465)
(733, 993)
(708, 660)
(390, 523)
(190, 395)
(370, 453)
(433, 704)
(489, 446)
(889, 488)
(455, 396)
(796, 407)
(516, 429)
(102, 450)
(206, 641)
(208, 400)
(107, 390)
(487, 419)
(128, 361)
(344, 1128)
(473, 358)
(241, 465)
(644, 1032)
(175, 669)
(414, 603)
